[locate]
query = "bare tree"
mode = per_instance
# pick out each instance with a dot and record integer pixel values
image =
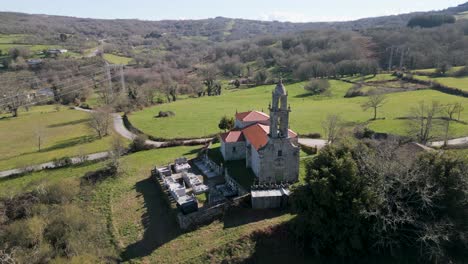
(449, 111)
(100, 121)
(332, 126)
(13, 94)
(422, 120)
(374, 101)
(117, 149)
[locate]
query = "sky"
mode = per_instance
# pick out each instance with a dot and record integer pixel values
(281, 10)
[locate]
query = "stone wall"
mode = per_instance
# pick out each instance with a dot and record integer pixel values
(208, 215)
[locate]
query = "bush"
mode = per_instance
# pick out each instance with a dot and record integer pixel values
(317, 86)
(60, 192)
(25, 233)
(312, 135)
(165, 114)
(85, 106)
(354, 91)
(139, 143)
(62, 162)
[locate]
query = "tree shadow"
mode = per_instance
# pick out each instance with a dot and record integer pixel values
(69, 143)
(238, 216)
(69, 123)
(159, 221)
(304, 95)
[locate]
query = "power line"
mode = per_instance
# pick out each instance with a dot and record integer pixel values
(61, 94)
(81, 79)
(63, 89)
(24, 80)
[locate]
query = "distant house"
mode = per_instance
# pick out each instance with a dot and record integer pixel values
(55, 52)
(46, 92)
(33, 63)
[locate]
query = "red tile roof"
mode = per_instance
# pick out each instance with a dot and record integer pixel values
(252, 116)
(232, 136)
(257, 135)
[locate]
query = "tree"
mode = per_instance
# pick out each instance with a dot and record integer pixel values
(449, 111)
(374, 101)
(329, 205)
(419, 198)
(317, 86)
(422, 120)
(226, 123)
(332, 127)
(63, 37)
(443, 68)
(260, 77)
(100, 121)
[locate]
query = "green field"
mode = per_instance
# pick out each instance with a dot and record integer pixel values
(200, 116)
(371, 78)
(114, 59)
(433, 70)
(63, 133)
(138, 221)
(453, 82)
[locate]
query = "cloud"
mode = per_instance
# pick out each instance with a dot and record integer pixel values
(285, 16)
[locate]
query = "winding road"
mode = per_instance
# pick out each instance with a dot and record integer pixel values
(120, 128)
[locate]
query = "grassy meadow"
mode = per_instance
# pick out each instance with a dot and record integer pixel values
(115, 59)
(200, 116)
(63, 133)
(453, 82)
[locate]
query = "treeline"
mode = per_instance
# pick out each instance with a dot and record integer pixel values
(421, 48)
(431, 20)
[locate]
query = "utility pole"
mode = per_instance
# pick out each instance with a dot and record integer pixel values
(122, 79)
(108, 73)
(391, 58)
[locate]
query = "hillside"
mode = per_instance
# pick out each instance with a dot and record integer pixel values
(217, 29)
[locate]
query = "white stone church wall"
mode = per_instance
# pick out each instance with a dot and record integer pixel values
(276, 168)
(233, 151)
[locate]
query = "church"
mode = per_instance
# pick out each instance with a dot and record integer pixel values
(266, 143)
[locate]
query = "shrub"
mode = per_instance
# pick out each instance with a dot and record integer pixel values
(165, 114)
(312, 135)
(60, 192)
(317, 86)
(63, 162)
(139, 143)
(25, 233)
(354, 91)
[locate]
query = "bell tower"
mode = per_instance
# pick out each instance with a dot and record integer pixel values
(279, 112)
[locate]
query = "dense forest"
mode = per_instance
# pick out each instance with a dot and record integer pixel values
(194, 56)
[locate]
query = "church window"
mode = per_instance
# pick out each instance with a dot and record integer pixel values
(280, 153)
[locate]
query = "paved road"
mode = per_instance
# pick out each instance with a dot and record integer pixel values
(319, 143)
(120, 128)
(452, 142)
(50, 165)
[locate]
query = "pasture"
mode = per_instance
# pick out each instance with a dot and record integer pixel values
(115, 59)
(63, 133)
(199, 117)
(453, 82)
